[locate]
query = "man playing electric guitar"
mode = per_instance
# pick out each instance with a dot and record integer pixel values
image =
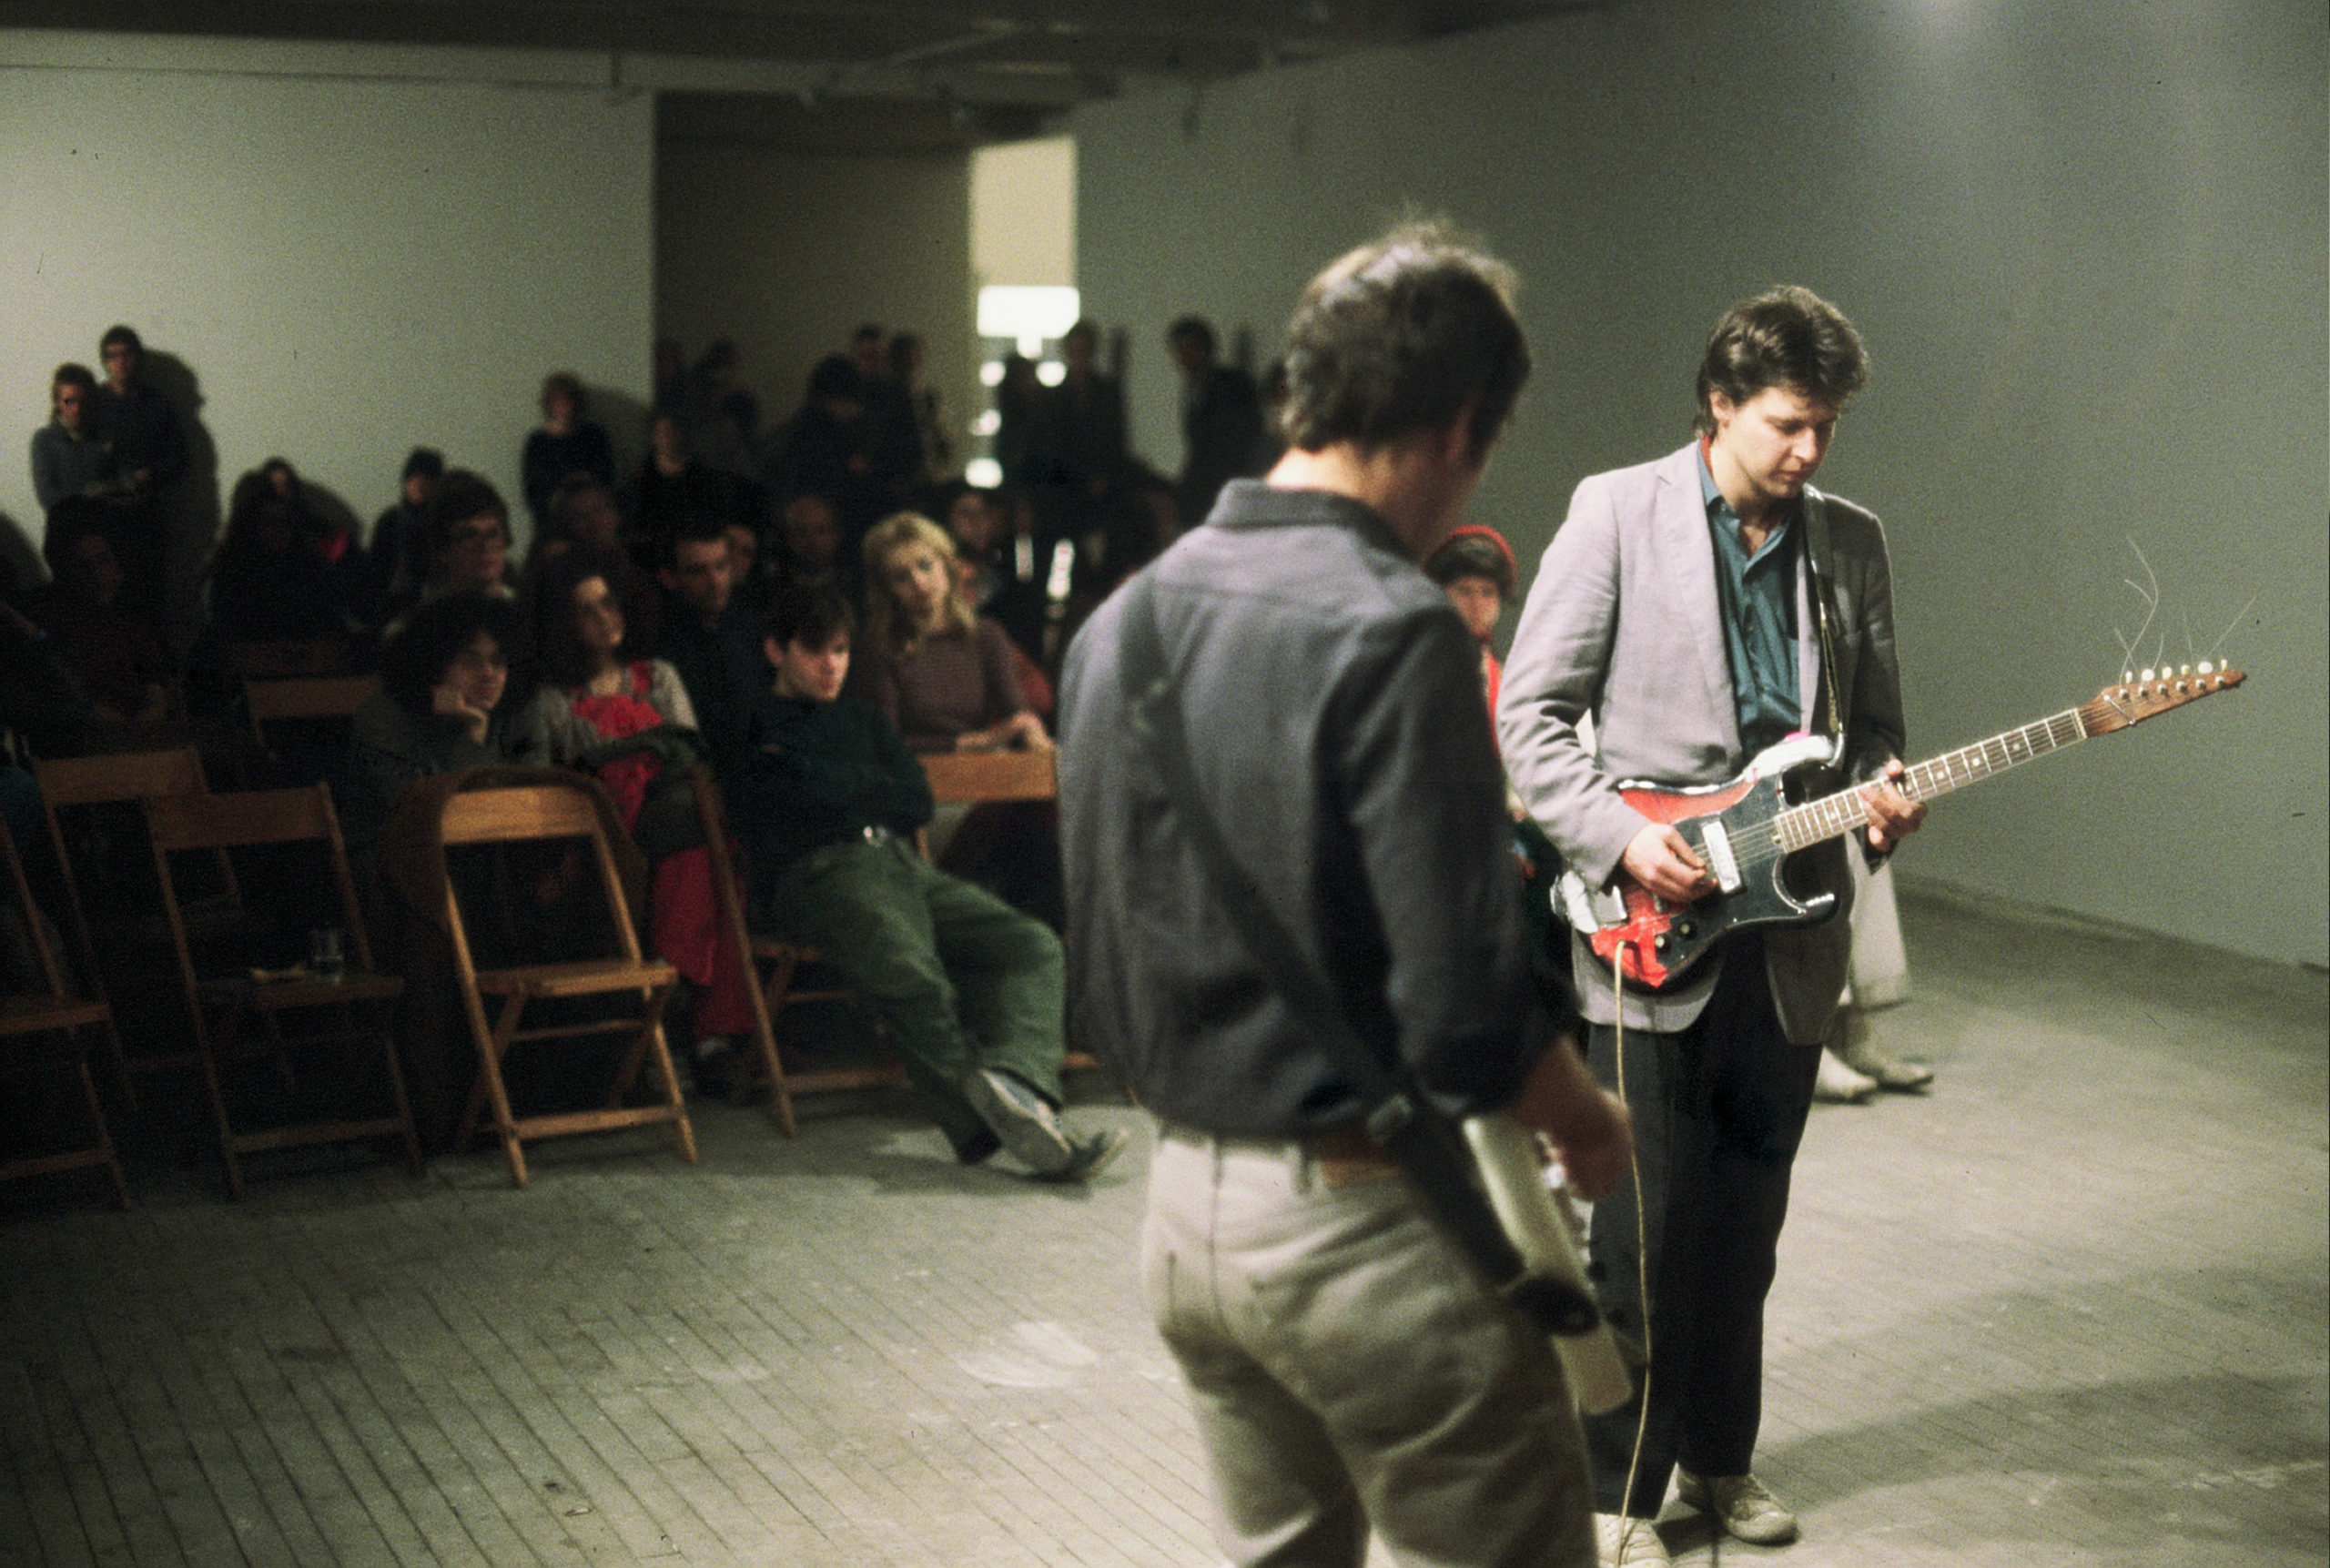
(1700, 609)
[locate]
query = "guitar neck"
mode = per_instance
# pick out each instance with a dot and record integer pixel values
(1833, 816)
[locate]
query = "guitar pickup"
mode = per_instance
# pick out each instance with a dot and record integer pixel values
(1720, 860)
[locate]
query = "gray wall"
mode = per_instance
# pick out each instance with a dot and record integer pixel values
(788, 252)
(352, 250)
(2089, 263)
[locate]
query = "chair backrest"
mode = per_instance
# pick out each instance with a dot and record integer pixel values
(305, 697)
(980, 776)
(52, 977)
(238, 820)
(525, 812)
(305, 656)
(128, 776)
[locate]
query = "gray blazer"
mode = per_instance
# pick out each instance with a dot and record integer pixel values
(1623, 624)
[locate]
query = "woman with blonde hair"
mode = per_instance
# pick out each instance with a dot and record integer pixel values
(946, 675)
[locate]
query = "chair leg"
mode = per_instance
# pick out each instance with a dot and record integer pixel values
(768, 1005)
(489, 1086)
(386, 1035)
(104, 1134)
(660, 1048)
(219, 1099)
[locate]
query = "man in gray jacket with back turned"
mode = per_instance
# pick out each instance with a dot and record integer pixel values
(1354, 891)
(1700, 609)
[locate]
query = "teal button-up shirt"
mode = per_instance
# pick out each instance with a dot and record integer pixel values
(1757, 594)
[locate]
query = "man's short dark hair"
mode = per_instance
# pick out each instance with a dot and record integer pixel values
(1474, 552)
(836, 376)
(427, 462)
(71, 374)
(460, 496)
(811, 616)
(694, 526)
(1197, 329)
(1403, 335)
(118, 333)
(1785, 336)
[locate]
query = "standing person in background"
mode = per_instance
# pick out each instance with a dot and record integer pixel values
(68, 456)
(568, 442)
(1700, 608)
(149, 457)
(1221, 417)
(932, 434)
(1303, 860)
(721, 415)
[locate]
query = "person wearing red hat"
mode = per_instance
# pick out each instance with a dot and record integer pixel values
(1475, 570)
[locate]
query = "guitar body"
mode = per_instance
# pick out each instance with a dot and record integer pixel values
(1745, 831)
(1652, 943)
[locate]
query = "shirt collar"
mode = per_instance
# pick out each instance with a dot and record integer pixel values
(1248, 503)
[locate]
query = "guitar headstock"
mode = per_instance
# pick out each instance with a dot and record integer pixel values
(2142, 694)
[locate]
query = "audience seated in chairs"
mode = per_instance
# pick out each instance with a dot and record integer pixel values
(273, 577)
(465, 549)
(629, 721)
(967, 988)
(709, 638)
(393, 558)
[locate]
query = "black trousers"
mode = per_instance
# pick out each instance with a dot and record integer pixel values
(1718, 1109)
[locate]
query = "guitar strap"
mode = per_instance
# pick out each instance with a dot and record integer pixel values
(1403, 1122)
(1820, 562)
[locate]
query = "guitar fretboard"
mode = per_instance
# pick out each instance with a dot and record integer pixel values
(1831, 816)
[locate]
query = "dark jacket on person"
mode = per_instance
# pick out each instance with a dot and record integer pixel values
(1333, 703)
(722, 668)
(819, 774)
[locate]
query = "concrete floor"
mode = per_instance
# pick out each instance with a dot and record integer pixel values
(2068, 1309)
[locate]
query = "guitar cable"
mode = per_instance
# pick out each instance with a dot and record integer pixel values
(1641, 1248)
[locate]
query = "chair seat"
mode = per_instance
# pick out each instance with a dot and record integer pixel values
(581, 977)
(274, 995)
(29, 1015)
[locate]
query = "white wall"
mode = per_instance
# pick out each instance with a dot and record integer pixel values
(2089, 263)
(352, 249)
(789, 252)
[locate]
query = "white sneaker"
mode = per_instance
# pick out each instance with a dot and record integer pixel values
(1742, 1504)
(1838, 1084)
(1022, 1119)
(1621, 1541)
(1883, 1068)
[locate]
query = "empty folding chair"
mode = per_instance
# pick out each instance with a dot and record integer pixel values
(325, 1019)
(41, 1033)
(495, 999)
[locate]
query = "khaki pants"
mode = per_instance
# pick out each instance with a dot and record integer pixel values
(1348, 1368)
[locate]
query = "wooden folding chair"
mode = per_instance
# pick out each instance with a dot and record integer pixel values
(772, 966)
(558, 812)
(358, 1000)
(304, 697)
(52, 1010)
(71, 783)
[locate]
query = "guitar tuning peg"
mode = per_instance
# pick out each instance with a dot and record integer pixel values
(2184, 669)
(2205, 667)
(2127, 677)
(2150, 671)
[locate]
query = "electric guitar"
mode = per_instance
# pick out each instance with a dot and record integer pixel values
(1743, 829)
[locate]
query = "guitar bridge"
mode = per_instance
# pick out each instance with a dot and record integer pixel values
(1720, 860)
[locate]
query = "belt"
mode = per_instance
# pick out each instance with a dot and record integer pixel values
(875, 832)
(1340, 1153)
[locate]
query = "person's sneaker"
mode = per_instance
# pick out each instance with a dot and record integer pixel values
(1838, 1084)
(1621, 1541)
(1741, 1505)
(1022, 1119)
(1093, 1153)
(1886, 1070)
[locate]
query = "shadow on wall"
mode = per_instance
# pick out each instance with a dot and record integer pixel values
(191, 506)
(625, 418)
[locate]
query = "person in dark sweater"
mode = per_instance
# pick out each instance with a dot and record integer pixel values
(566, 443)
(969, 989)
(709, 638)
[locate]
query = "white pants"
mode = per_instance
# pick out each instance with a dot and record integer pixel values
(1348, 1368)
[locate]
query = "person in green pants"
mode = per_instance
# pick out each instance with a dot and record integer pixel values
(826, 799)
